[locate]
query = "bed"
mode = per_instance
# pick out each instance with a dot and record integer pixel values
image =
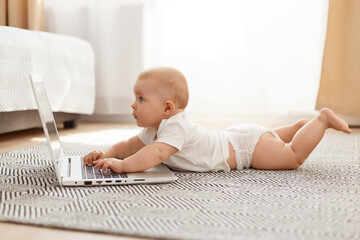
(67, 66)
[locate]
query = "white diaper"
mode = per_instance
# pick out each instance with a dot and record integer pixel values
(243, 138)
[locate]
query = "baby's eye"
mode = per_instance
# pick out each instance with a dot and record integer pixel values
(141, 99)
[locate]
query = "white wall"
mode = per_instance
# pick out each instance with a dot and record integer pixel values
(241, 57)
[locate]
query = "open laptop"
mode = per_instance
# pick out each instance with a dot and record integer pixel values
(71, 170)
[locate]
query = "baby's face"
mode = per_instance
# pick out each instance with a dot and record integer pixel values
(148, 107)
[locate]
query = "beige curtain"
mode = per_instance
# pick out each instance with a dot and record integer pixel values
(340, 76)
(28, 14)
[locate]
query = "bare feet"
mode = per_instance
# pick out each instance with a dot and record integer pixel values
(334, 121)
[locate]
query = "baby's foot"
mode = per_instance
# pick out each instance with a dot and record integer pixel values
(334, 121)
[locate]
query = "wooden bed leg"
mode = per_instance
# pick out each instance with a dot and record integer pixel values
(70, 124)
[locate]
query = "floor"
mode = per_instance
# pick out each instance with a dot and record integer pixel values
(96, 133)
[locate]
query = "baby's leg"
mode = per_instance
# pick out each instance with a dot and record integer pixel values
(272, 153)
(286, 133)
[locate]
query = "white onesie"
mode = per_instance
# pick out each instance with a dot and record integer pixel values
(199, 149)
(202, 150)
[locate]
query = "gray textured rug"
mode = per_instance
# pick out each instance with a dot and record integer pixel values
(320, 200)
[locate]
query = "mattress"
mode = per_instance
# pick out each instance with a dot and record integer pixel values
(66, 63)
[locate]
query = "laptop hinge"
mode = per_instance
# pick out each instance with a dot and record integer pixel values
(69, 167)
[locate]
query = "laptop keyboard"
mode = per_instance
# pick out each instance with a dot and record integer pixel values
(89, 172)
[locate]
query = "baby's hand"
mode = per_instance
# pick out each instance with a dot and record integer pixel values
(109, 163)
(93, 156)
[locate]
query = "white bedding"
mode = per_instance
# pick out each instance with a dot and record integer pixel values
(66, 63)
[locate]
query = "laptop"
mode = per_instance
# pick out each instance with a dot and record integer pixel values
(71, 170)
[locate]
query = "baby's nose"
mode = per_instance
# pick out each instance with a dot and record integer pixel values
(133, 106)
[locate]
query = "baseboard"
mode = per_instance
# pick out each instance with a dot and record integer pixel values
(108, 118)
(352, 121)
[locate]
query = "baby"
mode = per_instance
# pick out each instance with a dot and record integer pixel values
(168, 136)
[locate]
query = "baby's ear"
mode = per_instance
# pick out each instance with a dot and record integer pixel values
(169, 107)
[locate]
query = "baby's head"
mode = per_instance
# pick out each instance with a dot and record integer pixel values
(160, 93)
(169, 83)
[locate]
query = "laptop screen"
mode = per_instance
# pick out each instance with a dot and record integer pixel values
(47, 117)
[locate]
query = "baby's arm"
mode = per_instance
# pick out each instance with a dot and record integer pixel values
(119, 150)
(146, 158)
(125, 149)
